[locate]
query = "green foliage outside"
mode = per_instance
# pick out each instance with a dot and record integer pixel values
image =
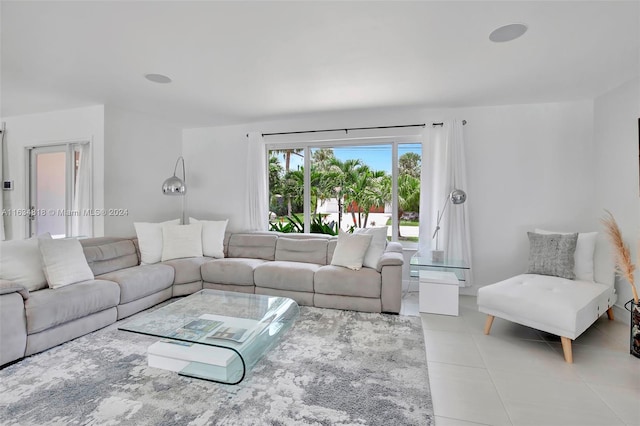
(351, 180)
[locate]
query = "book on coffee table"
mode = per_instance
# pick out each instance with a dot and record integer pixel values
(196, 329)
(237, 334)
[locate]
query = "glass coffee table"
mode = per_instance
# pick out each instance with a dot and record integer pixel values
(215, 335)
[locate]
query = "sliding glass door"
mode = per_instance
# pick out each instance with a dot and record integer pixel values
(55, 186)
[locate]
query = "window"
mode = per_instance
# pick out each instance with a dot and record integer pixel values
(346, 185)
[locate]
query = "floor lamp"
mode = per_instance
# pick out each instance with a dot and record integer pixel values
(176, 186)
(457, 196)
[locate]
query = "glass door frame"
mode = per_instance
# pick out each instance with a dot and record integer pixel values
(69, 149)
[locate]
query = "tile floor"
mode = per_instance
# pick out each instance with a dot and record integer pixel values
(517, 375)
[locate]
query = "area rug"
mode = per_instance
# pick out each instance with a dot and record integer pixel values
(332, 368)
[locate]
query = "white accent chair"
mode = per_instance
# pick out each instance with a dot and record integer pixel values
(555, 305)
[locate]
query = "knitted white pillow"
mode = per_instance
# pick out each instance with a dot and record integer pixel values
(350, 250)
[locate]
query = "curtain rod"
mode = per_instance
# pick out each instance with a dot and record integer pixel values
(344, 130)
(442, 124)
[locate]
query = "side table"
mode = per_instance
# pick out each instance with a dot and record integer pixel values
(438, 292)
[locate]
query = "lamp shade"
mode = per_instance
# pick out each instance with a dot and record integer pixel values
(174, 186)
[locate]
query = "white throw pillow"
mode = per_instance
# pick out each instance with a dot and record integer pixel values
(377, 246)
(180, 241)
(21, 263)
(150, 240)
(64, 262)
(212, 236)
(350, 250)
(583, 256)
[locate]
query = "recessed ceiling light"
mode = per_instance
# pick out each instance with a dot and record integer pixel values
(507, 33)
(158, 78)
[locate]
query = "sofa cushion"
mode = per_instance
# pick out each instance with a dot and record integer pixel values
(341, 281)
(583, 256)
(284, 275)
(51, 307)
(297, 250)
(187, 270)
(253, 246)
(331, 248)
(21, 262)
(237, 271)
(213, 235)
(109, 254)
(350, 250)
(377, 245)
(63, 262)
(141, 281)
(181, 241)
(150, 240)
(552, 254)
(13, 327)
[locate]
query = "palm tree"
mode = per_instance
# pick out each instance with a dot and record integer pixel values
(275, 184)
(409, 164)
(293, 186)
(287, 163)
(408, 196)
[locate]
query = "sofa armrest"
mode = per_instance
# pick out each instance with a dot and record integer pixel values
(394, 247)
(390, 268)
(7, 287)
(390, 258)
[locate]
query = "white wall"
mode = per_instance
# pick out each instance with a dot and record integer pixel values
(616, 116)
(140, 153)
(79, 124)
(529, 166)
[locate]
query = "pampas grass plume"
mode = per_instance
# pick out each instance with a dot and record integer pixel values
(624, 265)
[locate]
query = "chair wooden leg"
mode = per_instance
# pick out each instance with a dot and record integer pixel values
(566, 348)
(610, 314)
(488, 323)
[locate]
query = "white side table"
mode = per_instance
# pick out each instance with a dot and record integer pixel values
(439, 292)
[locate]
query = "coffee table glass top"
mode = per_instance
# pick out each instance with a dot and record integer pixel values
(244, 326)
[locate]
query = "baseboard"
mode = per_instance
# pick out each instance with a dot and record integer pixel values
(621, 314)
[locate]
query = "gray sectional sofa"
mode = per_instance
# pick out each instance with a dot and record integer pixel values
(292, 265)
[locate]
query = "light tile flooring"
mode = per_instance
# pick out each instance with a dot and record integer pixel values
(517, 375)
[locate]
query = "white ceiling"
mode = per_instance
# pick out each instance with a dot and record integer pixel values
(244, 61)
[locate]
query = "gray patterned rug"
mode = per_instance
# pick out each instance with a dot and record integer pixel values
(332, 368)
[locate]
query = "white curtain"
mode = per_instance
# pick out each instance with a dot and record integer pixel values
(257, 190)
(2, 178)
(443, 170)
(82, 224)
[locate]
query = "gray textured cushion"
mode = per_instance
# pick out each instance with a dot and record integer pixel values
(141, 281)
(284, 275)
(187, 270)
(51, 307)
(106, 254)
(253, 246)
(341, 281)
(298, 250)
(552, 254)
(230, 271)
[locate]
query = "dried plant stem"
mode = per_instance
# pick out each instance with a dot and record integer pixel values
(624, 265)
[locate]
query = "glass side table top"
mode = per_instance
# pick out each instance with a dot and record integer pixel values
(426, 261)
(215, 335)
